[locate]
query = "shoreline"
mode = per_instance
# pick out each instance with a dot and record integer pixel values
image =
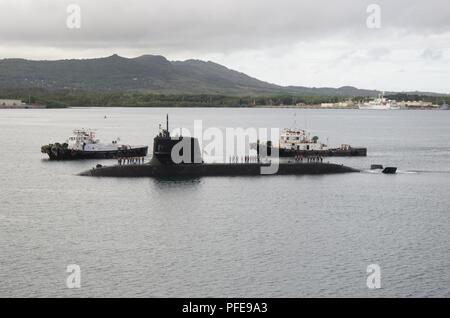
(25, 107)
(318, 107)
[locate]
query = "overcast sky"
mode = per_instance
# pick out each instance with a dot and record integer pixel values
(287, 42)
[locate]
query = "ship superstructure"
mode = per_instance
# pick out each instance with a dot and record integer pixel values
(300, 140)
(380, 103)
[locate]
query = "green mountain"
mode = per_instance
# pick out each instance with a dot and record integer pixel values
(145, 73)
(149, 74)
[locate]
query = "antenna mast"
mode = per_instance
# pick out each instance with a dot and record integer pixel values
(167, 122)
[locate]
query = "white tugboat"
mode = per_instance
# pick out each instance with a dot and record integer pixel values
(83, 144)
(298, 142)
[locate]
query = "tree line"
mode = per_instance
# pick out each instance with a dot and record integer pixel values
(68, 98)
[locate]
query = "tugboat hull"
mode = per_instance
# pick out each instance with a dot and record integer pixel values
(334, 152)
(68, 154)
(337, 152)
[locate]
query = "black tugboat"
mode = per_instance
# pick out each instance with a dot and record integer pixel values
(84, 145)
(189, 163)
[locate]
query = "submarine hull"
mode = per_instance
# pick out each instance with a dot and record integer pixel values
(214, 169)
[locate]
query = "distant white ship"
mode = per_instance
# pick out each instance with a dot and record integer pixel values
(379, 103)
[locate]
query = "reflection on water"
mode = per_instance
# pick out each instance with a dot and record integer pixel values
(175, 182)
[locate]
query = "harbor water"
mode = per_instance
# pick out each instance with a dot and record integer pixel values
(278, 236)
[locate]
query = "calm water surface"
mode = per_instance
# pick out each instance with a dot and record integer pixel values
(286, 236)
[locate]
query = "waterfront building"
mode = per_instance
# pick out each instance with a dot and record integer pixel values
(11, 103)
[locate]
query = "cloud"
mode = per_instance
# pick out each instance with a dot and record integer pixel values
(289, 42)
(378, 53)
(208, 25)
(432, 54)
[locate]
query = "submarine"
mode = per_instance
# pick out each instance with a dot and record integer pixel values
(188, 162)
